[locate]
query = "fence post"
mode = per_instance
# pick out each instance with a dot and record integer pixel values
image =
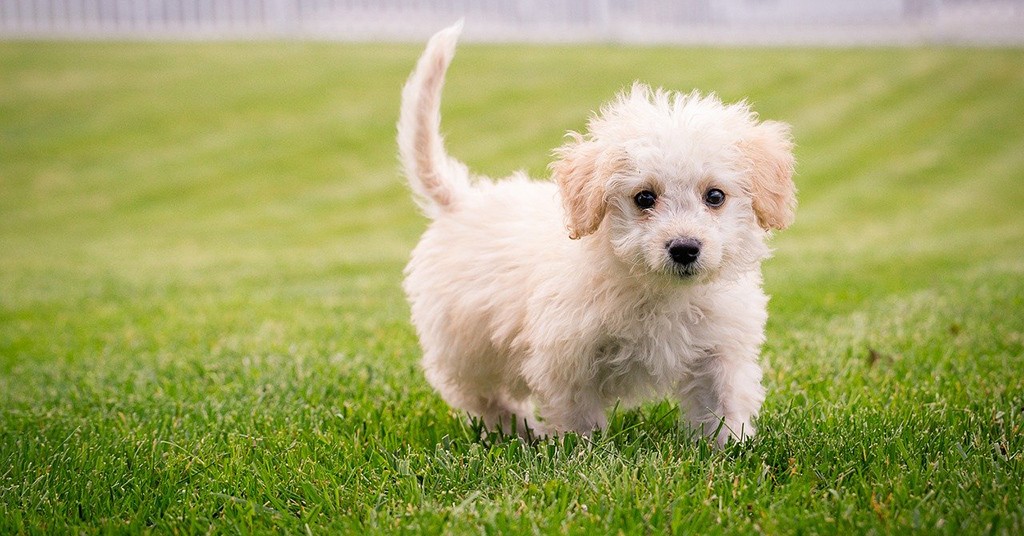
(604, 19)
(281, 16)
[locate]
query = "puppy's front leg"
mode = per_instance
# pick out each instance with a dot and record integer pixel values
(721, 396)
(563, 385)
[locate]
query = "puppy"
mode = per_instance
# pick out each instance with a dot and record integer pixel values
(634, 274)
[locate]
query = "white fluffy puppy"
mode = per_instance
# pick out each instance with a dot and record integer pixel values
(635, 273)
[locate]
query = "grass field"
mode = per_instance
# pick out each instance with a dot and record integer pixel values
(202, 327)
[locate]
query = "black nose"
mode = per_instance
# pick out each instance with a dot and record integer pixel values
(684, 250)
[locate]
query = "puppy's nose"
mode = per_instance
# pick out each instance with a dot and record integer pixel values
(684, 250)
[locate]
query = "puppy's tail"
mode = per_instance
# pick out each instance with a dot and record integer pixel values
(437, 180)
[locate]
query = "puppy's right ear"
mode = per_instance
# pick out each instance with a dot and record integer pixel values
(769, 148)
(578, 172)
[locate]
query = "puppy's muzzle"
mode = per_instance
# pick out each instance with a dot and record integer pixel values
(684, 251)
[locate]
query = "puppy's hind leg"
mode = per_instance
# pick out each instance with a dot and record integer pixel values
(572, 410)
(492, 408)
(506, 418)
(500, 414)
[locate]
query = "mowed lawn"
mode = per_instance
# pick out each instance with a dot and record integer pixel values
(202, 327)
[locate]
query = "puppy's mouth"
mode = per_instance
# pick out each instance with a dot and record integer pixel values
(685, 272)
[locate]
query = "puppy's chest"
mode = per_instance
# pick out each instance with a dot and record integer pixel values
(652, 352)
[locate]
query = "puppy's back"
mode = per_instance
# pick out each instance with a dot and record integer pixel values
(473, 263)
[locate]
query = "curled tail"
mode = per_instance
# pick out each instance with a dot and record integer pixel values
(437, 180)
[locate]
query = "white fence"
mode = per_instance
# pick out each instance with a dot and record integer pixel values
(638, 21)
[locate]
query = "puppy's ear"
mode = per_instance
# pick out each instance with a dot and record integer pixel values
(580, 171)
(769, 151)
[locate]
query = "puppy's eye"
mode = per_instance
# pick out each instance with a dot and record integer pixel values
(645, 199)
(714, 198)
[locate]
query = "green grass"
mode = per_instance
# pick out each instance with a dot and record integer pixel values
(202, 327)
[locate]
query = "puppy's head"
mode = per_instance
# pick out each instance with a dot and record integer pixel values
(679, 184)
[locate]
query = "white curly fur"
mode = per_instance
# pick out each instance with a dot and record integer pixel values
(549, 301)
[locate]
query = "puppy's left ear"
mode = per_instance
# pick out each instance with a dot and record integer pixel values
(769, 151)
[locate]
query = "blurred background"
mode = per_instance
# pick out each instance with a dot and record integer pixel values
(989, 22)
(203, 229)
